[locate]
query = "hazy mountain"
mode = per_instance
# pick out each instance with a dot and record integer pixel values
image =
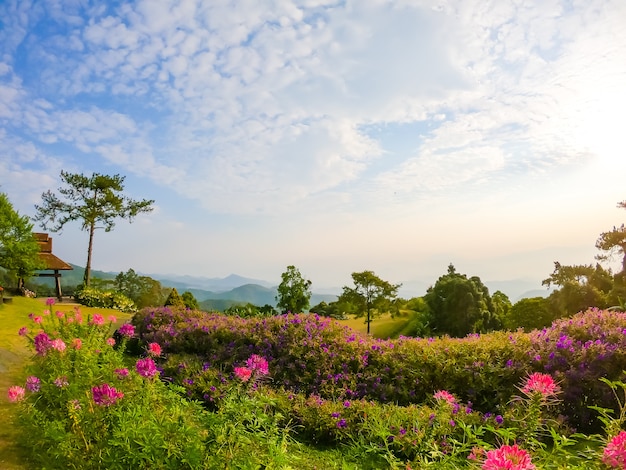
(214, 284)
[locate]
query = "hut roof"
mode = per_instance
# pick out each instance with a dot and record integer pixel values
(45, 254)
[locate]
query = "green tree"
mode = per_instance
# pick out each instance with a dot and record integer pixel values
(460, 305)
(294, 292)
(93, 200)
(190, 301)
(143, 290)
(18, 247)
(370, 296)
(529, 313)
(501, 305)
(613, 243)
(580, 287)
(174, 299)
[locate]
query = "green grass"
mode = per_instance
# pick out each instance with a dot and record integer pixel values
(14, 354)
(384, 327)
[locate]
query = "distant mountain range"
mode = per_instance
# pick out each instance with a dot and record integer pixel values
(221, 293)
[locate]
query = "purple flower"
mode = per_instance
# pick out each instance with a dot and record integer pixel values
(23, 331)
(33, 384)
(42, 344)
(121, 373)
(61, 382)
(346, 404)
(499, 419)
(146, 367)
(341, 423)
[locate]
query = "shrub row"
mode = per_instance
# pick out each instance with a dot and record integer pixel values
(318, 356)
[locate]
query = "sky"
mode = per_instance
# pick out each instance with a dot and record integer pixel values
(335, 136)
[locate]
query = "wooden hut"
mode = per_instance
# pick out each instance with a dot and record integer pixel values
(50, 261)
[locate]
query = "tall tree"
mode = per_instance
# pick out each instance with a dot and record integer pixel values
(190, 301)
(613, 244)
(174, 299)
(96, 201)
(18, 247)
(460, 305)
(294, 292)
(370, 296)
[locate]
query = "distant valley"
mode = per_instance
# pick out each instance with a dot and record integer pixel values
(221, 293)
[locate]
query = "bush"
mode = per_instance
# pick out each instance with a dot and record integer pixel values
(92, 297)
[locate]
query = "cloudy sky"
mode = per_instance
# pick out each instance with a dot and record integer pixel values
(337, 136)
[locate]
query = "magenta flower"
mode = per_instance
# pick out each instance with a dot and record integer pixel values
(127, 330)
(444, 395)
(50, 301)
(16, 393)
(540, 383)
(154, 349)
(508, 458)
(23, 331)
(614, 454)
(42, 344)
(105, 395)
(97, 319)
(38, 319)
(33, 384)
(258, 364)
(243, 373)
(146, 367)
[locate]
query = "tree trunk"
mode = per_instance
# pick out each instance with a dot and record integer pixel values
(87, 276)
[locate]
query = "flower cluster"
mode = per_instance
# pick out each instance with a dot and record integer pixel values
(16, 393)
(146, 367)
(542, 384)
(614, 454)
(508, 458)
(105, 395)
(444, 395)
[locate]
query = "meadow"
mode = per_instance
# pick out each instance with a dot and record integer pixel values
(174, 388)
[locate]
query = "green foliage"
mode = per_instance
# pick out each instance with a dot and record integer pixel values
(613, 243)
(460, 305)
(174, 299)
(294, 292)
(18, 248)
(94, 201)
(370, 297)
(529, 313)
(145, 424)
(190, 301)
(92, 297)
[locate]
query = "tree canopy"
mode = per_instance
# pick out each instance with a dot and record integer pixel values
(18, 247)
(294, 292)
(370, 297)
(460, 305)
(95, 201)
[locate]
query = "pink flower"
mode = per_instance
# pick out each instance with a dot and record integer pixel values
(127, 330)
(614, 454)
(16, 393)
(257, 364)
(33, 384)
(77, 343)
(112, 318)
(146, 367)
(23, 331)
(121, 373)
(58, 344)
(60, 314)
(105, 395)
(540, 383)
(243, 373)
(97, 319)
(61, 382)
(508, 458)
(445, 396)
(38, 319)
(50, 301)
(111, 341)
(154, 349)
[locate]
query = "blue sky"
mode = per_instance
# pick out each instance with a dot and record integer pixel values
(337, 136)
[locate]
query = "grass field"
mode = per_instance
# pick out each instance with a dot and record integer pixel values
(384, 327)
(14, 355)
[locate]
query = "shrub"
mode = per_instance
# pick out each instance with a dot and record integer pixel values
(92, 297)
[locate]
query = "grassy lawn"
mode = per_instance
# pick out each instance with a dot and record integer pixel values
(14, 354)
(384, 327)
